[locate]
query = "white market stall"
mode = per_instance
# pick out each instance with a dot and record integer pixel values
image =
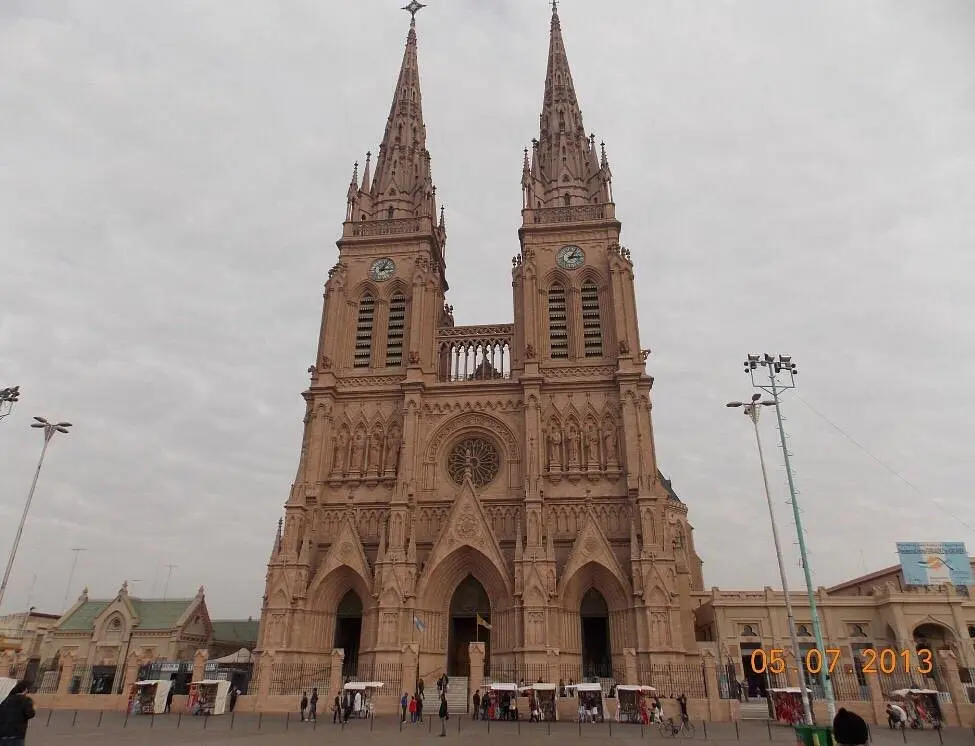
(632, 703)
(6, 686)
(361, 693)
(149, 697)
(500, 696)
(923, 706)
(541, 701)
(208, 697)
(591, 706)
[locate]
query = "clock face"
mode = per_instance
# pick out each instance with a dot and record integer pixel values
(571, 257)
(382, 269)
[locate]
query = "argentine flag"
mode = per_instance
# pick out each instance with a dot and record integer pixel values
(419, 623)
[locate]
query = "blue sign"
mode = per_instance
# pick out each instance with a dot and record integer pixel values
(935, 564)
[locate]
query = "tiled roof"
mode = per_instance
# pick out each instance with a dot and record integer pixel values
(153, 613)
(239, 632)
(671, 495)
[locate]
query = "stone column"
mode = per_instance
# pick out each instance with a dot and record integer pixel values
(948, 668)
(131, 671)
(876, 698)
(476, 652)
(791, 666)
(411, 655)
(629, 666)
(335, 672)
(200, 659)
(554, 657)
(68, 661)
(711, 686)
(265, 665)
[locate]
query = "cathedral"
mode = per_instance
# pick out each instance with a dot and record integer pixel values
(472, 495)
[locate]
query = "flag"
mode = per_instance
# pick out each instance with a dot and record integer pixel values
(419, 623)
(482, 623)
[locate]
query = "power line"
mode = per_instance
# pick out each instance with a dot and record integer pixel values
(886, 466)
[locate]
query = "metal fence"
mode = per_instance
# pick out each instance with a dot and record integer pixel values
(295, 678)
(47, 678)
(576, 672)
(390, 674)
(517, 674)
(673, 679)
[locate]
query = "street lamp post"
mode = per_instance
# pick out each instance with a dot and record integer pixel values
(74, 566)
(752, 409)
(8, 397)
(780, 368)
(49, 430)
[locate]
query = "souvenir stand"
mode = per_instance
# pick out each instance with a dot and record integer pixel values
(541, 701)
(786, 704)
(632, 703)
(922, 706)
(591, 706)
(149, 697)
(208, 697)
(6, 686)
(362, 694)
(500, 695)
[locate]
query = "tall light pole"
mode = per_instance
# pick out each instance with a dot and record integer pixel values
(8, 397)
(169, 576)
(49, 430)
(753, 409)
(74, 566)
(782, 377)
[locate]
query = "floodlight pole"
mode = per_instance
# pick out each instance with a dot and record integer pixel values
(49, 430)
(752, 410)
(775, 365)
(8, 397)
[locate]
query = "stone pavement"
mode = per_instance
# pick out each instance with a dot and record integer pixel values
(62, 727)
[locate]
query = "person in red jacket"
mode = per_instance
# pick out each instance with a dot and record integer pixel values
(15, 712)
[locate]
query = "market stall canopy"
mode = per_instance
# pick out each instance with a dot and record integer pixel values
(503, 686)
(636, 688)
(586, 686)
(905, 692)
(539, 687)
(241, 656)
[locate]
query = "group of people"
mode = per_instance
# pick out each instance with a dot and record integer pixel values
(494, 705)
(411, 705)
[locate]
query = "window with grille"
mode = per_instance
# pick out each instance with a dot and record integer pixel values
(395, 330)
(363, 332)
(558, 329)
(592, 328)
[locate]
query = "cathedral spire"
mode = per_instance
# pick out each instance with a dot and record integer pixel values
(402, 186)
(565, 167)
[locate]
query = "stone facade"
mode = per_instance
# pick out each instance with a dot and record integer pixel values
(508, 470)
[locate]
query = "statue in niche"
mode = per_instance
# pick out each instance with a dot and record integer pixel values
(376, 449)
(392, 449)
(340, 452)
(357, 451)
(592, 445)
(554, 448)
(609, 442)
(396, 533)
(574, 443)
(532, 529)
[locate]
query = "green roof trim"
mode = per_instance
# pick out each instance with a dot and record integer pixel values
(239, 632)
(154, 614)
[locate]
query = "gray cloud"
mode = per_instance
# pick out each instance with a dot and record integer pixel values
(172, 181)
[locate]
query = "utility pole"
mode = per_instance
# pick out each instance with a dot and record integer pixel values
(782, 377)
(752, 410)
(169, 576)
(74, 566)
(8, 397)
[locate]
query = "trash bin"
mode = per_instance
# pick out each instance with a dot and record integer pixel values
(814, 735)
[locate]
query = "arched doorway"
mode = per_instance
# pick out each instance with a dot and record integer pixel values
(469, 601)
(597, 653)
(348, 630)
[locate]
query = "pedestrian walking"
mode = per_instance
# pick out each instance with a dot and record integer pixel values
(313, 705)
(304, 705)
(169, 700)
(476, 701)
(16, 711)
(337, 710)
(444, 715)
(413, 710)
(404, 702)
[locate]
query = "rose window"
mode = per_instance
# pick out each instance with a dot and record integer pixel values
(478, 456)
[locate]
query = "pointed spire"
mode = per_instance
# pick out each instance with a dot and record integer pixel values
(277, 536)
(367, 172)
(565, 166)
(402, 181)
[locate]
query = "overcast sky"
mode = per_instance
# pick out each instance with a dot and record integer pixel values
(793, 178)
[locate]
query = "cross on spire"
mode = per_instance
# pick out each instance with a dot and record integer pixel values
(413, 8)
(555, 6)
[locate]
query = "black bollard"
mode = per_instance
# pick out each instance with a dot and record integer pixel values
(641, 731)
(610, 728)
(458, 723)
(940, 739)
(372, 721)
(904, 734)
(233, 715)
(51, 712)
(768, 724)
(287, 722)
(430, 725)
(519, 726)
(314, 723)
(260, 720)
(152, 719)
(179, 720)
(74, 719)
(206, 719)
(737, 731)
(401, 724)
(100, 713)
(124, 722)
(705, 724)
(580, 729)
(489, 724)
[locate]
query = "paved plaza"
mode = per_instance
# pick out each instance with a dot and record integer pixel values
(64, 727)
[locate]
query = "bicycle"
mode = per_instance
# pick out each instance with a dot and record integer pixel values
(669, 728)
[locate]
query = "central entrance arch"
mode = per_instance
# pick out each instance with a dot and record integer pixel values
(348, 631)
(469, 601)
(597, 653)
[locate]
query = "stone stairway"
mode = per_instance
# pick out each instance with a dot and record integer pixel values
(754, 710)
(457, 695)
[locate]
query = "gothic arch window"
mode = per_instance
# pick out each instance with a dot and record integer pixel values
(567, 200)
(592, 328)
(389, 214)
(558, 329)
(363, 331)
(395, 330)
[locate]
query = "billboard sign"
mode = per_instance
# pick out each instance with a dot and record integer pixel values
(935, 564)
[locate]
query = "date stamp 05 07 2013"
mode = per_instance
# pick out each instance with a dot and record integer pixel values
(886, 661)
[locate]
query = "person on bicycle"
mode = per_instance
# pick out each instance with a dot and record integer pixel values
(682, 701)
